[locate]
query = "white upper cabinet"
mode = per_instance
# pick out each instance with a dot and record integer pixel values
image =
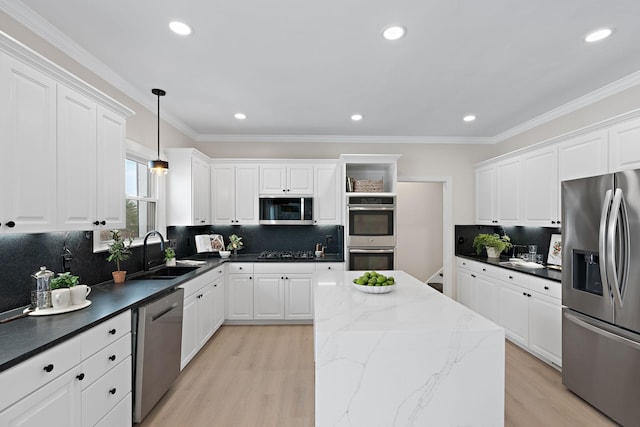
(28, 146)
(540, 188)
(188, 187)
(624, 146)
(327, 206)
(508, 190)
(583, 156)
(486, 195)
(290, 178)
(234, 193)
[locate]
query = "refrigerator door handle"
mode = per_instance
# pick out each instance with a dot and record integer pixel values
(602, 238)
(617, 211)
(603, 332)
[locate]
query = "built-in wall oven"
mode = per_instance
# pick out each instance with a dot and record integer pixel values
(371, 232)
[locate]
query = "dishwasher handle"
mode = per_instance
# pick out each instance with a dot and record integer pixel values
(164, 312)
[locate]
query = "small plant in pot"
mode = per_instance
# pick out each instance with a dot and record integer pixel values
(494, 244)
(64, 280)
(170, 257)
(235, 243)
(119, 251)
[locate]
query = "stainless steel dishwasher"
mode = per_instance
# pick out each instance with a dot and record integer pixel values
(157, 347)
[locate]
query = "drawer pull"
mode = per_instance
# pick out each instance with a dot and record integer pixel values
(510, 277)
(80, 377)
(473, 275)
(328, 268)
(48, 368)
(112, 391)
(112, 331)
(484, 269)
(524, 293)
(112, 357)
(239, 268)
(546, 288)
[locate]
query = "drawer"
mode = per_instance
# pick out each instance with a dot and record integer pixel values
(105, 359)
(478, 267)
(546, 287)
(284, 267)
(39, 370)
(195, 284)
(214, 273)
(514, 277)
(239, 268)
(329, 266)
(120, 415)
(106, 333)
(104, 394)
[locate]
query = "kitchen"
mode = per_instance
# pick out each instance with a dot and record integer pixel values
(455, 161)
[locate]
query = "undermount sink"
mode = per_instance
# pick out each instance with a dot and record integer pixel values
(167, 273)
(522, 264)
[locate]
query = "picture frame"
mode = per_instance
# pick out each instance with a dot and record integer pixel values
(555, 250)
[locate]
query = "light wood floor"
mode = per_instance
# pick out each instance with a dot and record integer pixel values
(264, 376)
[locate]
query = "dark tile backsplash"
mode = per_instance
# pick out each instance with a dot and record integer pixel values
(540, 236)
(21, 255)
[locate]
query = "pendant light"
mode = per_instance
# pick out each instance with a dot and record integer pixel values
(159, 167)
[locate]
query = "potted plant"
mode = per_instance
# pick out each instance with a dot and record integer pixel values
(235, 243)
(170, 257)
(119, 251)
(64, 280)
(494, 244)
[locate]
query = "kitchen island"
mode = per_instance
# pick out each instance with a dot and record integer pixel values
(411, 357)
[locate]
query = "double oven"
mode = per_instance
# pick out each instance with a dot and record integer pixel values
(371, 232)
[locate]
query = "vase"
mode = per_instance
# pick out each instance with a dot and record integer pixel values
(170, 262)
(118, 276)
(492, 252)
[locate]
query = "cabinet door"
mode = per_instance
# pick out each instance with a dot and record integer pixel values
(201, 188)
(300, 179)
(326, 195)
(508, 191)
(465, 288)
(76, 159)
(189, 330)
(545, 327)
(513, 312)
(540, 188)
(268, 296)
(583, 156)
(273, 179)
(206, 317)
(298, 296)
(57, 403)
(28, 146)
(485, 195)
(223, 194)
(246, 193)
(624, 150)
(218, 303)
(110, 170)
(239, 294)
(486, 297)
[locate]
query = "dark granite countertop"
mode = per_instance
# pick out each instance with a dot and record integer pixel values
(26, 337)
(544, 273)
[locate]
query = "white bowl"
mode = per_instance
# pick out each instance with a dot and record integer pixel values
(224, 254)
(374, 289)
(318, 254)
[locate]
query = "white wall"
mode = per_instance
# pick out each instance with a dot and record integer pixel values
(419, 250)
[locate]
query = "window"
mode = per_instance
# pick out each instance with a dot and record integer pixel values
(142, 200)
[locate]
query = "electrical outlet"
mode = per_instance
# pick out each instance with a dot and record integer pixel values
(173, 243)
(329, 238)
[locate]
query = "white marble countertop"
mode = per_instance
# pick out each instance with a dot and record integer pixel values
(411, 357)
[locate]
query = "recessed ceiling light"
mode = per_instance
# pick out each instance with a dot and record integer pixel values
(469, 118)
(598, 35)
(394, 32)
(240, 116)
(180, 28)
(356, 117)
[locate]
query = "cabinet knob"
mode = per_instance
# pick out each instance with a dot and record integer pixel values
(473, 275)
(524, 293)
(10, 224)
(546, 288)
(284, 191)
(80, 377)
(239, 268)
(553, 222)
(286, 278)
(510, 277)
(96, 222)
(112, 357)
(48, 368)
(329, 268)
(250, 278)
(558, 222)
(484, 269)
(112, 391)
(529, 295)
(112, 331)
(103, 222)
(281, 278)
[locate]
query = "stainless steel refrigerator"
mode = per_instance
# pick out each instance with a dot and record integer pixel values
(601, 292)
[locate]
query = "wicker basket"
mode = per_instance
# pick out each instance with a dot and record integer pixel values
(368, 186)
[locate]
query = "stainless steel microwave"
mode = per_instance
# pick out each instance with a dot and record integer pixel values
(280, 210)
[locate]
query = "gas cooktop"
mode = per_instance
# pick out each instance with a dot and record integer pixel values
(286, 255)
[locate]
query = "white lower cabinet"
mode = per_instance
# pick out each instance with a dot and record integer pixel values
(77, 383)
(527, 307)
(239, 291)
(268, 297)
(298, 297)
(200, 318)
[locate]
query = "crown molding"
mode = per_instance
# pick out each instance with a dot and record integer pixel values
(342, 139)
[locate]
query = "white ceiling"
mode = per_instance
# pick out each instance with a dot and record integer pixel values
(299, 69)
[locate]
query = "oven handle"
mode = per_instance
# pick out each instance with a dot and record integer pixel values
(371, 208)
(371, 251)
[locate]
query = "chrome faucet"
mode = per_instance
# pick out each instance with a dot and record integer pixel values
(145, 267)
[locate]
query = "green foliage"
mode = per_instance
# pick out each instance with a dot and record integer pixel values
(169, 253)
(118, 250)
(235, 242)
(491, 240)
(64, 280)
